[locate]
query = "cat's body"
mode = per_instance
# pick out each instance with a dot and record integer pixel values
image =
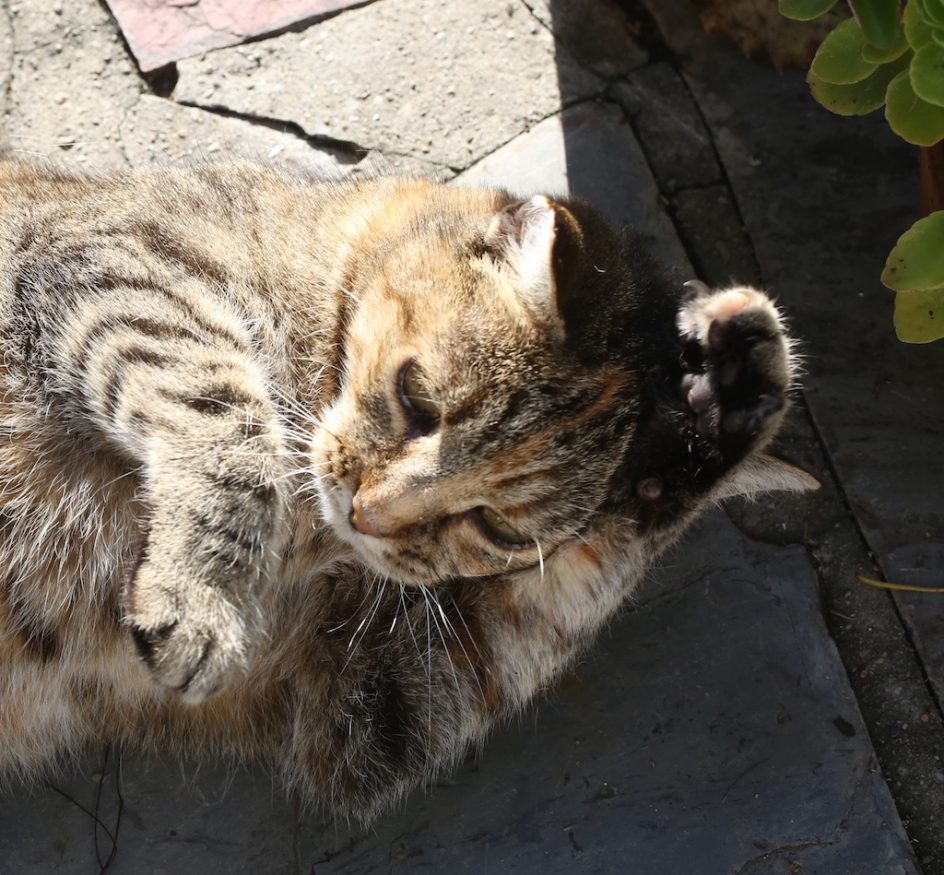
(232, 520)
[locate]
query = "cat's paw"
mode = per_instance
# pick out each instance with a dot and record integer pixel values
(192, 637)
(738, 367)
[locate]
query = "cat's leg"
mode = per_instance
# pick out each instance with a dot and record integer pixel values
(181, 395)
(740, 368)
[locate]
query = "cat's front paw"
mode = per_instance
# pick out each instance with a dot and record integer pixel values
(194, 638)
(738, 368)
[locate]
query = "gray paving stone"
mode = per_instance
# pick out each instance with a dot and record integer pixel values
(823, 199)
(157, 129)
(71, 84)
(178, 819)
(667, 122)
(876, 401)
(589, 151)
(710, 730)
(707, 220)
(442, 81)
(596, 32)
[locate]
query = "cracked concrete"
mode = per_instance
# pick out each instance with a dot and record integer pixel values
(416, 84)
(161, 33)
(71, 83)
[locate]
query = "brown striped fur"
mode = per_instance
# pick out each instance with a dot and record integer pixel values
(223, 529)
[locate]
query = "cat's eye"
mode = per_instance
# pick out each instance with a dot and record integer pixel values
(421, 408)
(501, 531)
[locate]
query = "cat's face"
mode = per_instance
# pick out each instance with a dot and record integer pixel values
(473, 434)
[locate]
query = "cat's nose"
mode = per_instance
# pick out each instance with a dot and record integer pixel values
(365, 520)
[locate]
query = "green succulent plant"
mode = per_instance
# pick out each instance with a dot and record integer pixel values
(891, 54)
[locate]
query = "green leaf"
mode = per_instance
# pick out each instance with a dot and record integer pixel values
(914, 120)
(804, 10)
(919, 316)
(927, 73)
(932, 11)
(916, 262)
(838, 59)
(938, 36)
(883, 56)
(917, 30)
(878, 20)
(860, 97)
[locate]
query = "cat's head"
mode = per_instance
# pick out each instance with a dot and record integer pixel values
(515, 372)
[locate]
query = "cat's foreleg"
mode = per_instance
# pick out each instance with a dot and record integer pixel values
(190, 408)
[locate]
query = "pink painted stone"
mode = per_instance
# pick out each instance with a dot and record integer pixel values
(162, 31)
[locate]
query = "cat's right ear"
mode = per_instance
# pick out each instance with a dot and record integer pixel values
(762, 473)
(539, 244)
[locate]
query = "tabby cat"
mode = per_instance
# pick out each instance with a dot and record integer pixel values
(338, 474)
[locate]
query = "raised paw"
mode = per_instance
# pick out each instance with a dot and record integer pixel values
(194, 639)
(738, 368)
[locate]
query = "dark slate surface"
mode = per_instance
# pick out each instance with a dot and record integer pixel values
(824, 199)
(710, 730)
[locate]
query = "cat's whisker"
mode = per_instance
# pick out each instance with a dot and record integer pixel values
(537, 544)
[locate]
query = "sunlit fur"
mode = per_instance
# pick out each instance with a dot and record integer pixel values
(199, 379)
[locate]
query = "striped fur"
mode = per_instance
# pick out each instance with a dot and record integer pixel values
(223, 527)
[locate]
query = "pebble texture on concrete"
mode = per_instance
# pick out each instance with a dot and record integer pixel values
(442, 81)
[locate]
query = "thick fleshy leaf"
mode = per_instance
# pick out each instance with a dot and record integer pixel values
(878, 20)
(895, 50)
(932, 11)
(927, 73)
(860, 97)
(938, 36)
(919, 316)
(838, 59)
(804, 10)
(914, 120)
(916, 262)
(917, 30)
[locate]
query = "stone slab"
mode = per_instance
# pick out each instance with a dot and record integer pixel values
(598, 33)
(667, 121)
(160, 32)
(824, 199)
(588, 151)
(159, 130)
(712, 722)
(441, 81)
(823, 214)
(71, 83)
(708, 222)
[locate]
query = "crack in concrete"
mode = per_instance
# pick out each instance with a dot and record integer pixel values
(344, 151)
(780, 852)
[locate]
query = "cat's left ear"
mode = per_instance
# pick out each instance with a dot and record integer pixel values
(540, 243)
(762, 473)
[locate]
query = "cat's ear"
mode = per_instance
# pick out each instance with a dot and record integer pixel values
(539, 242)
(762, 473)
